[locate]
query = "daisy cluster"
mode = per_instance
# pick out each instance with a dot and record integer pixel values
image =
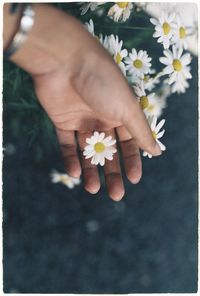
(136, 65)
(151, 88)
(173, 35)
(118, 12)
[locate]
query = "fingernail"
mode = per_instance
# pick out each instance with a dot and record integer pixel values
(157, 150)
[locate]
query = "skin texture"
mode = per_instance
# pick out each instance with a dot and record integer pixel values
(82, 90)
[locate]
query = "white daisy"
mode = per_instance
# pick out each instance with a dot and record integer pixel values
(164, 28)
(85, 6)
(150, 81)
(99, 148)
(138, 64)
(90, 27)
(117, 52)
(120, 11)
(65, 179)
(151, 104)
(156, 133)
(180, 33)
(176, 65)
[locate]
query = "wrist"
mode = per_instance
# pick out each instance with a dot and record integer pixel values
(55, 40)
(34, 55)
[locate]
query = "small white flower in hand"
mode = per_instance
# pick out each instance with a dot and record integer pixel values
(65, 179)
(99, 148)
(156, 133)
(164, 28)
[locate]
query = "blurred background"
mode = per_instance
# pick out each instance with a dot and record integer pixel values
(58, 240)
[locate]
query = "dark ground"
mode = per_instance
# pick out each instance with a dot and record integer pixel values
(62, 241)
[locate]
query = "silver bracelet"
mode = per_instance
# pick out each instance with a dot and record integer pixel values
(26, 23)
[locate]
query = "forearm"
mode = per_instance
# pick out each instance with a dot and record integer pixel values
(10, 24)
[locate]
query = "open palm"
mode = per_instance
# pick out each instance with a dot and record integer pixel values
(83, 90)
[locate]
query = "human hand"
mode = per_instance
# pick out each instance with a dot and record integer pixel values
(82, 90)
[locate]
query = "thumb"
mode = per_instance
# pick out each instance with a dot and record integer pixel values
(108, 93)
(138, 126)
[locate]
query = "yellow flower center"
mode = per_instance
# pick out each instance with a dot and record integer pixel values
(182, 32)
(99, 147)
(154, 135)
(64, 179)
(146, 78)
(118, 58)
(166, 28)
(122, 4)
(138, 64)
(144, 102)
(177, 65)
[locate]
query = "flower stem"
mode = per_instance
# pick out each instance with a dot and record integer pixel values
(127, 27)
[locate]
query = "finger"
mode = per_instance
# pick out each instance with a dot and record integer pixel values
(113, 175)
(131, 155)
(69, 154)
(89, 171)
(138, 126)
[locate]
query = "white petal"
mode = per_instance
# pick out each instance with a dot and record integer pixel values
(187, 74)
(90, 141)
(162, 146)
(69, 184)
(153, 123)
(109, 156)
(156, 34)
(96, 134)
(159, 135)
(89, 154)
(111, 150)
(179, 53)
(110, 143)
(166, 43)
(173, 77)
(124, 53)
(102, 160)
(165, 61)
(101, 137)
(153, 21)
(160, 40)
(186, 59)
(107, 140)
(144, 153)
(88, 147)
(168, 70)
(168, 54)
(160, 125)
